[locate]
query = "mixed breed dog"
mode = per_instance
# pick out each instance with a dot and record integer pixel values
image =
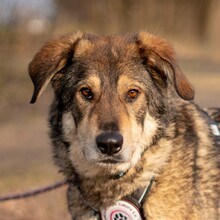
(125, 132)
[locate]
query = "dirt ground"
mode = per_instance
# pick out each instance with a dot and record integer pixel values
(25, 157)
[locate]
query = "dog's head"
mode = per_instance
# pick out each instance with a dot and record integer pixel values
(111, 93)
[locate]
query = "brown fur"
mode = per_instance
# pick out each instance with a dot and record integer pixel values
(165, 135)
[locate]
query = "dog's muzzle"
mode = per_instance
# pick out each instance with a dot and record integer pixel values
(109, 142)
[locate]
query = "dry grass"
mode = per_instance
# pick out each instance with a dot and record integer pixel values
(26, 164)
(49, 206)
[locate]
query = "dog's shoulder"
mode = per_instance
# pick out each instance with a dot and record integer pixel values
(192, 167)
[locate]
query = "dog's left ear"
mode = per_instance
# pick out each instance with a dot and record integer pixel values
(159, 55)
(52, 57)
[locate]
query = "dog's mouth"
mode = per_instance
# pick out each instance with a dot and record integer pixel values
(110, 161)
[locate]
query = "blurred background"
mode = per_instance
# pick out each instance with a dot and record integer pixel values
(192, 26)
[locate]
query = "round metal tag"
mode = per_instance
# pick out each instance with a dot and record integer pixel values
(122, 210)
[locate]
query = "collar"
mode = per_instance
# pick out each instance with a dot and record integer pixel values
(141, 194)
(137, 198)
(119, 175)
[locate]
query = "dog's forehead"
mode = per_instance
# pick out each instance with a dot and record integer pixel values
(108, 56)
(107, 48)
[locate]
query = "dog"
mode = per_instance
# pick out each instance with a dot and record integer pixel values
(125, 132)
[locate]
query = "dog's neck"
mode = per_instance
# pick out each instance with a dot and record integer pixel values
(137, 198)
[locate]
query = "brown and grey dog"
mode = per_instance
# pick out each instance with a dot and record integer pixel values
(122, 116)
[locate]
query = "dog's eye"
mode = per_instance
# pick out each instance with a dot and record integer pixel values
(133, 93)
(87, 93)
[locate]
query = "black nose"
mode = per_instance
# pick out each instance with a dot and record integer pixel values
(109, 142)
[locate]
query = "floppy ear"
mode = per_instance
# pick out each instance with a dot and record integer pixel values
(51, 58)
(159, 55)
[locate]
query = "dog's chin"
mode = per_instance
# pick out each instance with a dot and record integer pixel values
(113, 167)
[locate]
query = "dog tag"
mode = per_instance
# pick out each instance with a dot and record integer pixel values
(122, 210)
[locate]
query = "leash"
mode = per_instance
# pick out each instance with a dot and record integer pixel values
(34, 192)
